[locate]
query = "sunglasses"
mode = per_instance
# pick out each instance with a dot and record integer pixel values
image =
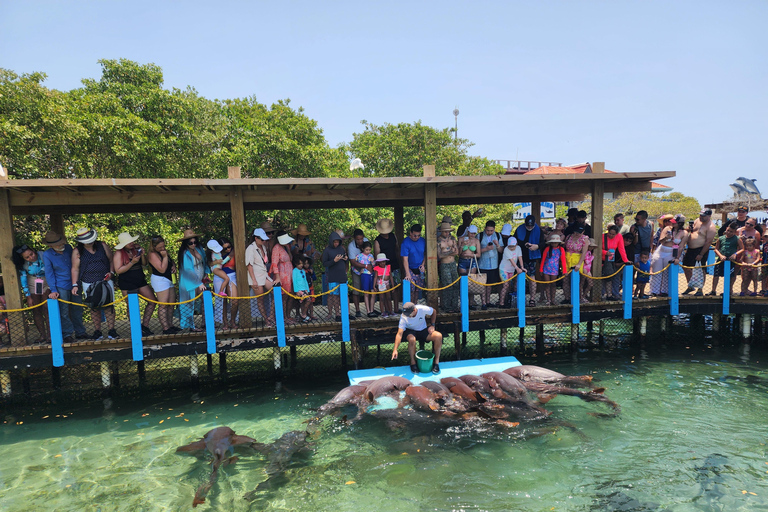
(22, 249)
(156, 238)
(226, 247)
(192, 242)
(750, 225)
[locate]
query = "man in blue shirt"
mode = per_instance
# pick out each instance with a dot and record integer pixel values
(412, 250)
(528, 237)
(58, 274)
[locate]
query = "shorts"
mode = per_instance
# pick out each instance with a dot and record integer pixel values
(749, 273)
(356, 283)
(689, 258)
(367, 282)
(571, 259)
(160, 283)
(419, 335)
(532, 267)
(504, 275)
(720, 269)
(337, 291)
(394, 277)
(467, 264)
(642, 279)
(493, 275)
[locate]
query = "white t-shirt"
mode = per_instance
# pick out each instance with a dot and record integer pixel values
(418, 322)
(510, 253)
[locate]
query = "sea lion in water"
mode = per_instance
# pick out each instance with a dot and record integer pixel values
(528, 373)
(458, 387)
(438, 389)
(548, 391)
(421, 398)
(218, 442)
(279, 454)
(385, 385)
(482, 385)
(349, 395)
(510, 385)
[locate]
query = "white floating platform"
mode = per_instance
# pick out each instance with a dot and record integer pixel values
(447, 369)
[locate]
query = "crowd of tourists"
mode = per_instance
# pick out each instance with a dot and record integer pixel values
(88, 272)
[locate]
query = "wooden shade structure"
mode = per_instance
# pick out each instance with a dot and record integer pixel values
(57, 197)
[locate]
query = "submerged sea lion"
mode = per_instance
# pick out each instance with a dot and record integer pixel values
(348, 395)
(279, 454)
(482, 385)
(528, 373)
(385, 385)
(548, 391)
(510, 385)
(218, 442)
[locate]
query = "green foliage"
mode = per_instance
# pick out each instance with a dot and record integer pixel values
(403, 149)
(655, 204)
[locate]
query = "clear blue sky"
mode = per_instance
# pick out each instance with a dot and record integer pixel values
(641, 85)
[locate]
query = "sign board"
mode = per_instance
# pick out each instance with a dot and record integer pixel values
(524, 209)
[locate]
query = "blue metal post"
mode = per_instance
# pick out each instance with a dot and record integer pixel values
(406, 291)
(279, 317)
(344, 297)
(672, 289)
(520, 300)
(710, 261)
(726, 287)
(134, 314)
(628, 271)
(464, 287)
(54, 323)
(210, 325)
(575, 296)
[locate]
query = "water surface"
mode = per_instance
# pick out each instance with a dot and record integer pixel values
(691, 436)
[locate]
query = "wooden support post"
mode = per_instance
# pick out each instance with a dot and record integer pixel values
(663, 324)
(115, 372)
(209, 364)
(223, 364)
(643, 326)
(601, 332)
(540, 340)
(399, 231)
(293, 356)
(344, 355)
(57, 223)
(457, 339)
(430, 234)
(574, 336)
(502, 342)
(106, 378)
(142, 373)
(746, 326)
(10, 276)
(716, 317)
(56, 377)
(240, 241)
(277, 360)
(521, 340)
(536, 211)
(598, 193)
(194, 368)
(482, 344)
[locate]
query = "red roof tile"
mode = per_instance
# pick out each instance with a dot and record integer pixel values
(584, 168)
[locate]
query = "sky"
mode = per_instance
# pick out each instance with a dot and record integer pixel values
(640, 85)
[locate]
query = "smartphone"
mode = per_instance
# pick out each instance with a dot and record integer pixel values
(490, 244)
(139, 250)
(690, 224)
(38, 286)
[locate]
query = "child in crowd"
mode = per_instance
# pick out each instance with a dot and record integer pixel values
(726, 248)
(586, 283)
(750, 260)
(511, 265)
(381, 274)
(301, 287)
(765, 264)
(366, 277)
(552, 263)
(309, 272)
(215, 262)
(642, 279)
(629, 246)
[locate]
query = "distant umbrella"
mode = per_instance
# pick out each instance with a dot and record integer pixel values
(356, 164)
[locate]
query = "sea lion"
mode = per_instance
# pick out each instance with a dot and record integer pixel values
(510, 385)
(385, 385)
(348, 395)
(547, 391)
(458, 387)
(528, 372)
(421, 398)
(218, 442)
(482, 385)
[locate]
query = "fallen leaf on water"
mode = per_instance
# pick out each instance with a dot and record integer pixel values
(161, 421)
(69, 485)
(350, 482)
(168, 418)
(404, 453)
(45, 417)
(753, 494)
(59, 455)
(185, 419)
(743, 492)
(145, 414)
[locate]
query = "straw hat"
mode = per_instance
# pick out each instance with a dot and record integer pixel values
(447, 218)
(592, 242)
(301, 230)
(86, 236)
(188, 233)
(381, 257)
(666, 217)
(385, 226)
(52, 238)
(446, 226)
(284, 239)
(555, 240)
(124, 239)
(267, 226)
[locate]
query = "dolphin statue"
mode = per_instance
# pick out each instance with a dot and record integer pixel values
(748, 184)
(218, 442)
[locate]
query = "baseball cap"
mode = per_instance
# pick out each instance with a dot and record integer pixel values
(408, 308)
(705, 212)
(260, 233)
(530, 220)
(472, 229)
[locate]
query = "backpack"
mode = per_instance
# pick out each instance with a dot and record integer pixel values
(98, 295)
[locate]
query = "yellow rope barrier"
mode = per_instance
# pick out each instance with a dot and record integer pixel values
(601, 277)
(653, 273)
(118, 301)
(29, 308)
(436, 289)
(700, 266)
(313, 295)
(242, 298)
(490, 284)
(383, 291)
(173, 303)
(545, 282)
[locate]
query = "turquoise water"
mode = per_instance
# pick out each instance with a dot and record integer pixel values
(691, 436)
